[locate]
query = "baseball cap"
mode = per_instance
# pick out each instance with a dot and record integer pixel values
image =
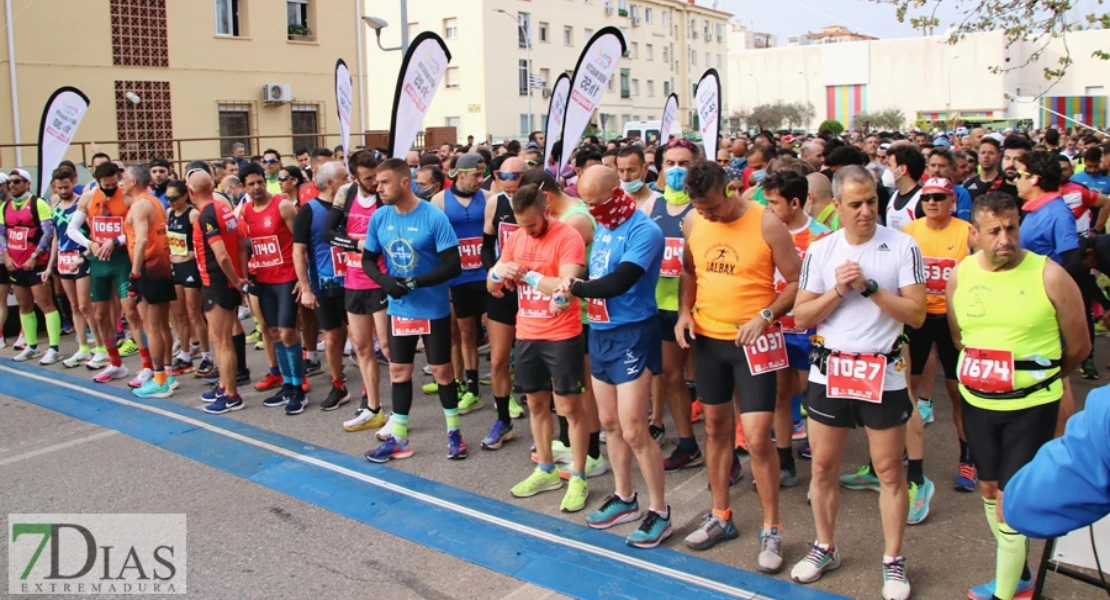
(467, 162)
(996, 136)
(24, 174)
(942, 141)
(158, 161)
(789, 139)
(733, 173)
(3, 179)
(938, 185)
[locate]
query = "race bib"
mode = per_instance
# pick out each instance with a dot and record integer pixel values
(672, 258)
(987, 370)
(178, 247)
(106, 228)
(470, 252)
(768, 353)
(18, 238)
(504, 230)
(789, 325)
(408, 327)
(852, 377)
(265, 252)
(937, 272)
(69, 263)
(533, 303)
(596, 310)
(340, 260)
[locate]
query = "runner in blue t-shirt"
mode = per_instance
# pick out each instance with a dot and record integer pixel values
(1093, 176)
(421, 255)
(625, 348)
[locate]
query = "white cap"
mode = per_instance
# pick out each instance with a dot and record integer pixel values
(24, 174)
(3, 179)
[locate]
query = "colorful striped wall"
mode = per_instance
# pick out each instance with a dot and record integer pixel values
(844, 101)
(1093, 109)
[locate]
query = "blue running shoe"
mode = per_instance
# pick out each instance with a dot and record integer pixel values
(151, 389)
(297, 402)
(925, 407)
(388, 451)
(965, 480)
(498, 434)
(614, 512)
(213, 394)
(224, 405)
(652, 531)
(985, 591)
(920, 497)
(863, 479)
(804, 451)
(281, 398)
(456, 447)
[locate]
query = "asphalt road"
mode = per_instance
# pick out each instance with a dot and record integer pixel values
(249, 539)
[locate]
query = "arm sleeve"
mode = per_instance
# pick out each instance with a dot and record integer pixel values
(1067, 484)
(911, 271)
(76, 225)
(302, 225)
(47, 236)
(1091, 290)
(614, 284)
(489, 250)
(449, 267)
(373, 271)
(1072, 261)
(3, 237)
(336, 216)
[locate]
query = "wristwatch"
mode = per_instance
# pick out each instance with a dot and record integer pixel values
(768, 316)
(869, 288)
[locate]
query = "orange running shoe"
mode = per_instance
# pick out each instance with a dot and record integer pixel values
(269, 382)
(695, 411)
(741, 443)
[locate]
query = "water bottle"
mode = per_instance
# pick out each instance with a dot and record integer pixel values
(561, 300)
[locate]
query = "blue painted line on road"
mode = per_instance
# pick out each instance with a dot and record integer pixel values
(549, 552)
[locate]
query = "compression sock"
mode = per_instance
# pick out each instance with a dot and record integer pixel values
(285, 366)
(502, 405)
(786, 459)
(83, 348)
(916, 472)
(1010, 562)
(990, 508)
(296, 363)
(239, 342)
(144, 354)
(965, 452)
(448, 396)
(113, 355)
(30, 323)
(472, 382)
(401, 427)
(452, 416)
(276, 372)
(594, 450)
(564, 431)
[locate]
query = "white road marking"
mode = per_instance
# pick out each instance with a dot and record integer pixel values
(529, 592)
(56, 447)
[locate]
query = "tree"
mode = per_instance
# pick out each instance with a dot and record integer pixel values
(775, 114)
(1020, 21)
(831, 127)
(887, 119)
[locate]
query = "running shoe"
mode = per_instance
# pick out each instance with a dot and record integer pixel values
(76, 359)
(965, 480)
(920, 497)
(365, 419)
(896, 584)
(770, 551)
(788, 478)
(516, 411)
(578, 491)
(469, 403)
(297, 402)
(735, 474)
(657, 433)
(269, 382)
(224, 405)
(50, 357)
(559, 451)
(306, 387)
(279, 399)
(128, 348)
(322, 346)
(430, 388)
(213, 394)
(695, 411)
(799, 431)
(595, 467)
(386, 431)
(485, 379)
(111, 373)
(985, 591)
(382, 360)
(260, 345)
(98, 361)
(925, 407)
(863, 479)
(818, 562)
(244, 313)
(804, 451)
(255, 336)
(27, 354)
(173, 383)
(336, 397)
(3, 342)
(652, 531)
(711, 531)
(206, 367)
(741, 441)
(243, 377)
(312, 367)
(144, 376)
(614, 511)
(456, 447)
(536, 483)
(20, 342)
(212, 378)
(683, 459)
(182, 367)
(151, 389)
(1088, 370)
(500, 433)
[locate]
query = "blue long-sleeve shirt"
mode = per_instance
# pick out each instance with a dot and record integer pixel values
(963, 203)
(1067, 485)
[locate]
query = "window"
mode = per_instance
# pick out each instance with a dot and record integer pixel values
(452, 122)
(666, 88)
(708, 62)
(693, 57)
(568, 35)
(587, 34)
(610, 84)
(666, 18)
(545, 76)
(635, 87)
(227, 17)
(635, 50)
(650, 88)
(451, 28)
(720, 32)
(624, 84)
(524, 31)
(525, 124)
(543, 32)
(706, 29)
(718, 60)
(306, 124)
(235, 120)
(451, 77)
(650, 52)
(665, 54)
(298, 18)
(522, 68)
(139, 42)
(622, 4)
(647, 14)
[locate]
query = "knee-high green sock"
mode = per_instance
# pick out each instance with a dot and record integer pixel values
(30, 323)
(54, 328)
(990, 507)
(1010, 562)
(452, 415)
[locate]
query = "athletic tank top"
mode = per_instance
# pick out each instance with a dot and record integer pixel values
(358, 221)
(24, 231)
(829, 217)
(106, 218)
(941, 251)
(1009, 311)
(328, 266)
(505, 221)
(580, 207)
(180, 232)
(156, 255)
(802, 238)
(62, 217)
(666, 291)
(735, 273)
(271, 242)
(897, 217)
(468, 222)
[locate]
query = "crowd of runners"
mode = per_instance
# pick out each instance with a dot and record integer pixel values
(784, 291)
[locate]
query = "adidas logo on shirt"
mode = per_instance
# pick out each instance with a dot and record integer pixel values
(883, 247)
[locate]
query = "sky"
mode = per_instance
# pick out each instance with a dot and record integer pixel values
(861, 16)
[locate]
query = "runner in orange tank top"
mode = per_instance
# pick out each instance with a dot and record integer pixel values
(151, 275)
(729, 305)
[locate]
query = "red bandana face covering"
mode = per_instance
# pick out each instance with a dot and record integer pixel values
(615, 211)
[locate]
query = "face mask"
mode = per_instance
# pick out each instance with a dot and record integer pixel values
(676, 178)
(759, 176)
(632, 186)
(109, 192)
(424, 192)
(413, 171)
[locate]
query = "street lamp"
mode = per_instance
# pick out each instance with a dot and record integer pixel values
(377, 24)
(527, 58)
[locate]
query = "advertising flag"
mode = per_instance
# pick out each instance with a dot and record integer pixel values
(591, 77)
(707, 101)
(422, 71)
(555, 113)
(343, 103)
(60, 119)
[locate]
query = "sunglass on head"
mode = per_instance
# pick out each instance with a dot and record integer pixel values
(681, 143)
(269, 161)
(506, 176)
(934, 197)
(532, 163)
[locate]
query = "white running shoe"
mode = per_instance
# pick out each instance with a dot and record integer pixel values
(98, 361)
(111, 372)
(76, 359)
(321, 346)
(52, 356)
(20, 342)
(386, 431)
(348, 350)
(176, 346)
(244, 313)
(144, 376)
(27, 354)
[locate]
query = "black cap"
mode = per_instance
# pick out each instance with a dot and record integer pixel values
(158, 161)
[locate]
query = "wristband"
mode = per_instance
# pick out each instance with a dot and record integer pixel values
(532, 278)
(493, 276)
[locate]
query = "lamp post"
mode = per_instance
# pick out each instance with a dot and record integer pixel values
(527, 59)
(377, 24)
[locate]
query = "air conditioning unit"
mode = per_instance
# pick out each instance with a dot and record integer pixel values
(546, 93)
(277, 93)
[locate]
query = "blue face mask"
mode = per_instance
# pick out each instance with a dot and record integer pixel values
(676, 178)
(759, 176)
(632, 186)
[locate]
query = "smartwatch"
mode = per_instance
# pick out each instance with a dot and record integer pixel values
(869, 288)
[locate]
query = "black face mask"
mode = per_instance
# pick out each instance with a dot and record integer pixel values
(109, 192)
(160, 189)
(461, 193)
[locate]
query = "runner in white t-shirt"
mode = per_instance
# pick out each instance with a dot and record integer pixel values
(859, 286)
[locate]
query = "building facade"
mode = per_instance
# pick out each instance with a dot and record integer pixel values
(747, 38)
(485, 92)
(927, 79)
(833, 34)
(159, 70)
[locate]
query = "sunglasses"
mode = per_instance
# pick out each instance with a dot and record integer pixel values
(1024, 174)
(16, 180)
(504, 176)
(172, 198)
(934, 197)
(269, 161)
(284, 178)
(532, 163)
